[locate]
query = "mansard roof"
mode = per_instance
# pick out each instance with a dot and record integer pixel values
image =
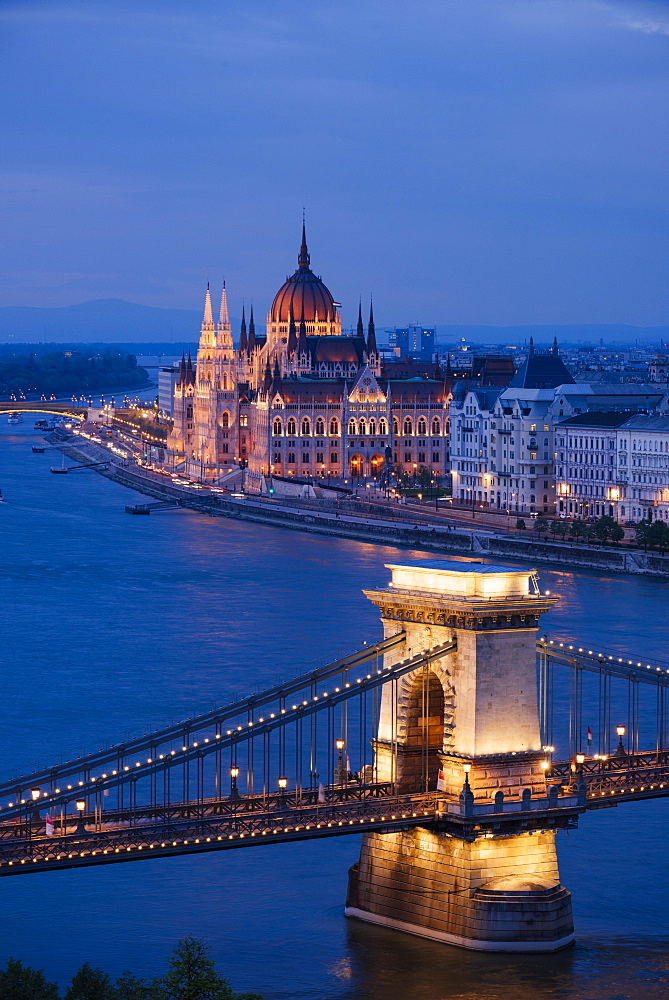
(336, 350)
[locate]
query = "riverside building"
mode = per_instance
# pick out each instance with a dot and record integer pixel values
(305, 399)
(614, 464)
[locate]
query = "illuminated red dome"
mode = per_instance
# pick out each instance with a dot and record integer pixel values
(303, 294)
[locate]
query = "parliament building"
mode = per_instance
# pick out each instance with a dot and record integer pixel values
(304, 400)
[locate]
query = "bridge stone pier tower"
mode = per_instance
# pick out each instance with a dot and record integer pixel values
(466, 727)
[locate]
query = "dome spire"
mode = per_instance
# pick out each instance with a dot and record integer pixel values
(303, 258)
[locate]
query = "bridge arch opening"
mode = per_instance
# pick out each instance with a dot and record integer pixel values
(423, 744)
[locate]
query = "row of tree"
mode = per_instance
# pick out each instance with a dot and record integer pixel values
(191, 975)
(650, 534)
(64, 372)
(603, 530)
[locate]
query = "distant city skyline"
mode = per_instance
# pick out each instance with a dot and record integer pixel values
(493, 163)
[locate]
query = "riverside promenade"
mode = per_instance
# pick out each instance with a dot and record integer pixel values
(362, 521)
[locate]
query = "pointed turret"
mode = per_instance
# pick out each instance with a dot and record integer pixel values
(208, 318)
(223, 318)
(449, 370)
(243, 343)
(302, 339)
(292, 334)
(371, 332)
(303, 259)
(360, 329)
(437, 367)
(531, 345)
(555, 346)
(252, 333)
(190, 371)
(182, 369)
(268, 378)
(276, 376)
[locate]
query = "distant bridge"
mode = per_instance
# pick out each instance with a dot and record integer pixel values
(74, 410)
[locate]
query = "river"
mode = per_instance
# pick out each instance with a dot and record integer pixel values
(114, 624)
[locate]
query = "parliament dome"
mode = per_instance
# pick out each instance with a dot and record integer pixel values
(304, 295)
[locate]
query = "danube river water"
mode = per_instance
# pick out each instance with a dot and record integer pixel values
(113, 624)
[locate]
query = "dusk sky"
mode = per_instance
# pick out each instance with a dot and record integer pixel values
(466, 161)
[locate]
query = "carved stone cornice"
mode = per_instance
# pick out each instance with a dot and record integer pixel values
(473, 614)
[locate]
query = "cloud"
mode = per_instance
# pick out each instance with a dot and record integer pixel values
(648, 18)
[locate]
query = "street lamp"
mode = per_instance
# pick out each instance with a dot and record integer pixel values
(234, 774)
(80, 807)
(283, 784)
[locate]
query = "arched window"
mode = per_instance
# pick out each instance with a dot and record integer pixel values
(351, 426)
(277, 427)
(422, 427)
(363, 427)
(306, 427)
(292, 428)
(334, 427)
(396, 426)
(435, 426)
(225, 420)
(383, 429)
(320, 427)
(372, 427)
(189, 412)
(407, 426)
(225, 381)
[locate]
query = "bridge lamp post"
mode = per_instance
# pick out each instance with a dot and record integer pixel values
(234, 774)
(341, 774)
(620, 750)
(283, 784)
(80, 805)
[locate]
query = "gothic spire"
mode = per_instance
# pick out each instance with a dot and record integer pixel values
(371, 332)
(360, 330)
(277, 371)
(531, 345)
(190, 371)
(208, 318)
(304, 259)
(182, 369)
(268, 377)
(223, 318)
(555, 346)
(252, 334)
(243, 343)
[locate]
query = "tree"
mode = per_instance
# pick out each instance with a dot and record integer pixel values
(642, 534)
(579, 529)
(541, 525)
(603, 528)
(19, 982)
(658, 534)
(192, 975)
(617, 533)
(558, 528)
(128, 987)
(90, 984)
(520, 524)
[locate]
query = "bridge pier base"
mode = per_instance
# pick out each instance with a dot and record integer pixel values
(490, 894)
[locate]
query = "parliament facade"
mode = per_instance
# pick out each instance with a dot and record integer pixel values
(305, 400)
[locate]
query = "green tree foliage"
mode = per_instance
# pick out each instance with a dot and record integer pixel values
(617, 533)
(520, 524)
(64, 372)
(192, 975)
(18, 982)
(90, 984)
(541, 525)
(579, 530)
(658, 535)
(558, 528)
(129, 987)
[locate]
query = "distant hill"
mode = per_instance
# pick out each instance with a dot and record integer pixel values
(100, 321)
(113, 321)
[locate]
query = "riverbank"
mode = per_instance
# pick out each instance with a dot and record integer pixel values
(361, 522)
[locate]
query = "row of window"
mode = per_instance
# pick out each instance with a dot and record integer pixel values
(360, 427)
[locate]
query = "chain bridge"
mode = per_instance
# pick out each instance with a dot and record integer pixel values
(459, 744)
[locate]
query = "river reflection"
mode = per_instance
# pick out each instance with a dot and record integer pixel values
(114, 624)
